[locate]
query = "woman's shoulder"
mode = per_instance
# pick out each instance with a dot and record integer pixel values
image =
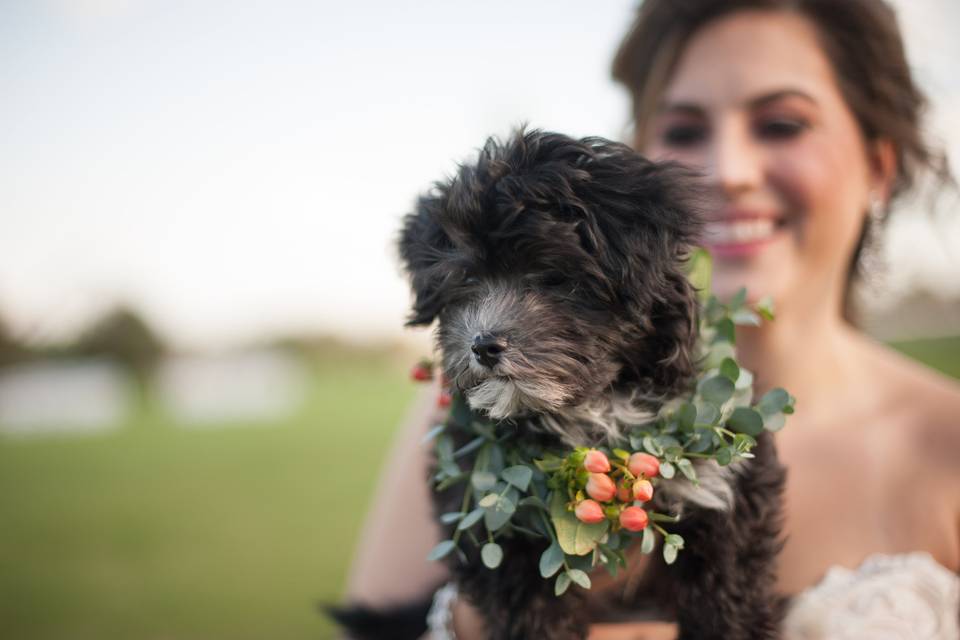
(923, 403)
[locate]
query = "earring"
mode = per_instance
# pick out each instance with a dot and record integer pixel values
(870, 260)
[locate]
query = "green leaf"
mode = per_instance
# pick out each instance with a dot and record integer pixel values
(651, 446)
(483, 480)
(669, 553)
(739, 298)
(726, 331)
(774, 422)
(489, 500)
(575, 538)
(623, 455)
(717, 390)
(519, 476)
(445, 448)
(724, 456)
(699, 272)
(494, 519)
(505, 504)
(649, 541)
(765, 307)
(471, 519)
(686, 468)
(773, 401)
(667, 470)
(745, 317)
(562, 584)
(707, 413)
(580, 577)
(433, 433)
(451, 517)
(533, 501)
(674, 540)
(746, 420)
(551, 560)
(442, 549)
(492, 555)
(450, 468)
(686, 416)
(730, 369)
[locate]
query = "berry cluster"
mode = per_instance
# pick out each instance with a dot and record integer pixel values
(622, 485)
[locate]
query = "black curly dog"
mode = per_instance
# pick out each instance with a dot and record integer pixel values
(555, 269)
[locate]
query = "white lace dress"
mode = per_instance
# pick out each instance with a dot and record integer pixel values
(888, 597)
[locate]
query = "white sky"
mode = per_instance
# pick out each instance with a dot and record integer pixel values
(238, 168)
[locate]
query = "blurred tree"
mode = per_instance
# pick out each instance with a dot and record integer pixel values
(125, 337)
(11, 351)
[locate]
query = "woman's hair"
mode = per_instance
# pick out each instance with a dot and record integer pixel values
(861, 39)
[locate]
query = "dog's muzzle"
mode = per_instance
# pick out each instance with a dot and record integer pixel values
(487, 349)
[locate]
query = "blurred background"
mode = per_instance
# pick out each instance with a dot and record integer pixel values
(202, 359)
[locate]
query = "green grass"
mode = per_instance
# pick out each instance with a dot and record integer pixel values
(156, 532)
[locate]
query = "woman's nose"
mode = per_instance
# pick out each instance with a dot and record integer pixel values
(734, 165)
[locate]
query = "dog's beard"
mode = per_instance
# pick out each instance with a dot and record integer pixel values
(551, 363)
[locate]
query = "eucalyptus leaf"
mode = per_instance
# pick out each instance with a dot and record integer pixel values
(724, 456)
(492, 555)
(483, 480)
(674, 540)
(518, 475)
(471, 519)
(433, 433)
(649, 541)
(738, 299)
(707, 413)
(669, 553)
(726, 331)
(745, 317)
(445, 447)
(765, 307)
(562, 584)
(489, 500)
(579, 577)
(667, 470)
(746, 420)
(505, 504)
(774, 422)
(551, 560)
(730, 369)
(717, 390)
(651, 446)
(686, 468)
(773, 401)
(441, 550)
(451, 517)
(686, 416)
(533, 501)
(494, 519)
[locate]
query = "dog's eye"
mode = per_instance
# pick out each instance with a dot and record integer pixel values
(471, 280)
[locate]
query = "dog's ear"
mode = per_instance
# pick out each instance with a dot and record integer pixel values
(666, 224)
(423, 246)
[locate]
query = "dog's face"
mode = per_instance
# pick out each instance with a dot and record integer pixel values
(554, 267)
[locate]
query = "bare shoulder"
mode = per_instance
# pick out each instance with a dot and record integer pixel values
(925, 402)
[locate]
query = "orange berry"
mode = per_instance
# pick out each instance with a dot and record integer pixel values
(589, 512)
(601, 487)
(642, 490)
(644, 464)
(421, 372)
(634, 519)
(596, 462)
(444, 400)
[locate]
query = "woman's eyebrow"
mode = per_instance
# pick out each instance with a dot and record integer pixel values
(773, 96)
(682, 108)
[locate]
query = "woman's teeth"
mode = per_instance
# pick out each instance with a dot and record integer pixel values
(740, 231)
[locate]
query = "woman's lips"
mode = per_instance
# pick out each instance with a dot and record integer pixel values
(744, 236)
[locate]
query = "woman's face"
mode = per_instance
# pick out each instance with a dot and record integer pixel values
(754, 104)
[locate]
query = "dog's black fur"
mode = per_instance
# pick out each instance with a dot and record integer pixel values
(555, 268)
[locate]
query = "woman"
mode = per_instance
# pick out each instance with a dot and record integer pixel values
(804, 120)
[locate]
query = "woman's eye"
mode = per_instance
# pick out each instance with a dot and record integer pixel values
(683, 135)
(780, 129)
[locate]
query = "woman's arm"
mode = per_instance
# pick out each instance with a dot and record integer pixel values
(390, 562)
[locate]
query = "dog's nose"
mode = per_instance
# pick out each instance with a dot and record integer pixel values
(487, 349)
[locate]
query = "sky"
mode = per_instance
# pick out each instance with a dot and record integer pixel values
(237, 169)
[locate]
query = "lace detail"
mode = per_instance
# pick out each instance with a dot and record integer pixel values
(889, 597)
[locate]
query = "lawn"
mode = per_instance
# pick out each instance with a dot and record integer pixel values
(155, 531)
(158, 532)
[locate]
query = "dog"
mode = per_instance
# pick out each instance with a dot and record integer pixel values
(554, 268)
